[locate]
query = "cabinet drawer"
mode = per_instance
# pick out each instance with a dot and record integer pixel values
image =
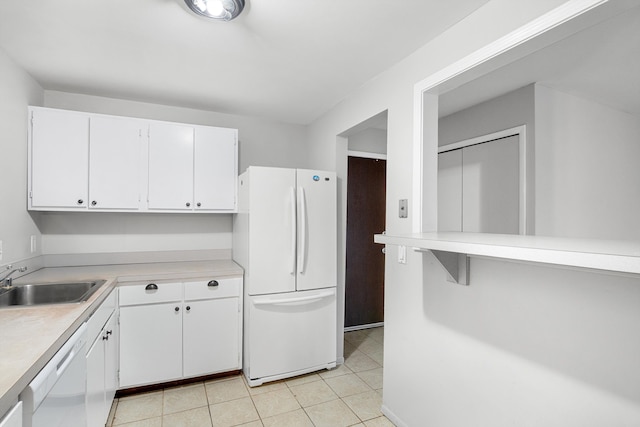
(201, 289)
(101, 315)
(150, 293)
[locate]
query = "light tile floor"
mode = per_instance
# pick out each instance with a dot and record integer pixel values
(349, 395)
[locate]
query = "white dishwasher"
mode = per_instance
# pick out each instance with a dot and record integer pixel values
(56, 396)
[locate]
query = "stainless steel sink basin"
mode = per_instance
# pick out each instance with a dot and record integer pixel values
(49, 293)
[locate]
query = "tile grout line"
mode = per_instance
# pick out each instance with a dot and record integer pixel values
(354, 341)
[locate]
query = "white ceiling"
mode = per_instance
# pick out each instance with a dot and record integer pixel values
(601, 63)
(288, 60)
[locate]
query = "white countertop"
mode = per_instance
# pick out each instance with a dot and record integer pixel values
(609, 255)
(30, 336)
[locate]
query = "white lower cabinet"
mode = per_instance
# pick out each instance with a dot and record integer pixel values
(150, 343)
(210, 336)
(13, 418)
(172, 331)
(102, 363)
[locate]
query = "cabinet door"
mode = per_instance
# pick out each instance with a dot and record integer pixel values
(95, 384)
(111, 362)
(114, 163)
(216, 169)
(59, 159)
(211, 336)
(170, 166)
(150, 344)
(13, 418)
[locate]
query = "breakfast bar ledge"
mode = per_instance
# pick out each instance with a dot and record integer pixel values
(452, 249)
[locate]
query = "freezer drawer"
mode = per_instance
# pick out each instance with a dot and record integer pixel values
(290, 334)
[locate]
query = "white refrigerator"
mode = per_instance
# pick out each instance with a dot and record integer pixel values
(284, 236)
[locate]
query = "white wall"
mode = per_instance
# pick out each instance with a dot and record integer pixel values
(536, 351)
(370, 140)
(261, 142)
(18, 90)
(588, 178)
(513, 109)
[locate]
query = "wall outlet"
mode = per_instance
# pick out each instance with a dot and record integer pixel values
(33, 244)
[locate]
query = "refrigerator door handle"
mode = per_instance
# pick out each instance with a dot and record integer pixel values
(292, 270)
(303, 231)
(269, 301)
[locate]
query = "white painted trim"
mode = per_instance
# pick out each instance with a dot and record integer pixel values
(533, 29)
(434, 84)
(366, 155)
(521, 131)
(418, 157)
(361, 327)
(392, 417)
(518, 130)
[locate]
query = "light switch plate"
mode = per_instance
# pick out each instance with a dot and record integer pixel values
(33, 244)
(402, 254)
(403, 210)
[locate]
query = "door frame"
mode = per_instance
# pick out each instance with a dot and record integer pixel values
(521, 131)
(341, 159)
(366, 155)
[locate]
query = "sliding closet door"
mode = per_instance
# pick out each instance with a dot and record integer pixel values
(479, 188)
(491, 187)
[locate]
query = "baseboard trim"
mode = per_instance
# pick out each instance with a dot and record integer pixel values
(392, 417)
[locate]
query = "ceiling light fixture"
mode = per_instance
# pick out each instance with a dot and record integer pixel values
(224, 10)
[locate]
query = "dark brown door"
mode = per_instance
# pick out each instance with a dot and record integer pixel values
(366, 197)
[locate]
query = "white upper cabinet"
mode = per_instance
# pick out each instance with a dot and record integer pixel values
(215, 168)
(58, 160)
(170, 166)
(115, 156)
(83, 161)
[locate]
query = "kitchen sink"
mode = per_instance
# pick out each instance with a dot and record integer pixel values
(49, 293)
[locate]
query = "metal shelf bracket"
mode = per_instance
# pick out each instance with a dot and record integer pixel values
(455, 264)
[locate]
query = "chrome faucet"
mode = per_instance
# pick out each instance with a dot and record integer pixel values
(6, 280)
